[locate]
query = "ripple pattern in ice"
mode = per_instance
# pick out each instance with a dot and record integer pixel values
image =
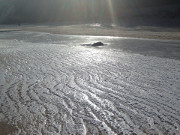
(55, 89)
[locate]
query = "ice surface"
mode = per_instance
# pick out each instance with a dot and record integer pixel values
(51, 84)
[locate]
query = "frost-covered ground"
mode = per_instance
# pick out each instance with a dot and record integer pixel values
(52, 84)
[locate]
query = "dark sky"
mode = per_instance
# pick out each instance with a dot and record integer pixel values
(34, 11)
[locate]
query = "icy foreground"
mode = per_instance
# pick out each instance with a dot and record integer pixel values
(51, 84)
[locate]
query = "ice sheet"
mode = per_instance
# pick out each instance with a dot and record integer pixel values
(51, 84)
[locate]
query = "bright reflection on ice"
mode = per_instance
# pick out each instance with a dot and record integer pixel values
(91, 56)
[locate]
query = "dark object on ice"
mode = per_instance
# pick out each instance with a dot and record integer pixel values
(94, 44)
(98, 44)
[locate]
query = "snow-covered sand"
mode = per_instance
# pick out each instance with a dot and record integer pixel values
(52, 84)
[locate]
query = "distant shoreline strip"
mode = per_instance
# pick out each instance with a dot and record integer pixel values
(9, 30)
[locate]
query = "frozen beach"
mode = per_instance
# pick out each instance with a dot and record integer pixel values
(54, 84)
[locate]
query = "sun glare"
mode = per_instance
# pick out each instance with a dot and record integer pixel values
(100, 11)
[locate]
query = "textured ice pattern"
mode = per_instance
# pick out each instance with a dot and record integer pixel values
(57, 86)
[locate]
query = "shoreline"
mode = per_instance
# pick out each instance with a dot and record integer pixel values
(9, 30)
(136, 32)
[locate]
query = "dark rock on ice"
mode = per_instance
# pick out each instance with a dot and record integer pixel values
(98, 44)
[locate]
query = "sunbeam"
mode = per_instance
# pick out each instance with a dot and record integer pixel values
(112, 13)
